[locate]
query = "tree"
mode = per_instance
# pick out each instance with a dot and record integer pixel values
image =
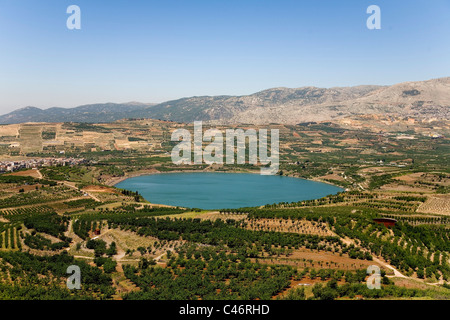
(99, 247)
(112, 250)
(296, 294)
(324, 293)
(420, 273)
(142, 250)
(109, 266)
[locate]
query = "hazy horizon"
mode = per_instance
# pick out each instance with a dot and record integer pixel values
(177, 98)
(159, 102)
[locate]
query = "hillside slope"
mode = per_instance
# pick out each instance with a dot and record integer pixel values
(429, 99)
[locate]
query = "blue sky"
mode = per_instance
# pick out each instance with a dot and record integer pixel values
(153, 51)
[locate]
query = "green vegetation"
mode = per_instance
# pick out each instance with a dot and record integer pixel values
(38, 242)
(208, 275)
(49, 223)
(17, 179)
(33, 277)
(247, 253)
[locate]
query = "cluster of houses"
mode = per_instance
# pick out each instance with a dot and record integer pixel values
(11, 166)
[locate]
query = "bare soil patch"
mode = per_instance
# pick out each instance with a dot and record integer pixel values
(214, 215)
(333, 177)
(27, 173)
(305, 258)
(99, 189)
(294, 226)
(438, 204)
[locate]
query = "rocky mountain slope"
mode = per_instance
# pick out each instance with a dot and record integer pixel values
(278, 105)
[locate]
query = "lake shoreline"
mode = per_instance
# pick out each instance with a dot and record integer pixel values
(112, 182)
(272, 193)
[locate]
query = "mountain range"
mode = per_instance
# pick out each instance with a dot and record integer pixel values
(428, 99)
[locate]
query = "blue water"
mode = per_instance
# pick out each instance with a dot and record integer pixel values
(224, 190)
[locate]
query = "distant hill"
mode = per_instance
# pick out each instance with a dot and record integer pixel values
(92, 113)
(278, 105)
(272, 105)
